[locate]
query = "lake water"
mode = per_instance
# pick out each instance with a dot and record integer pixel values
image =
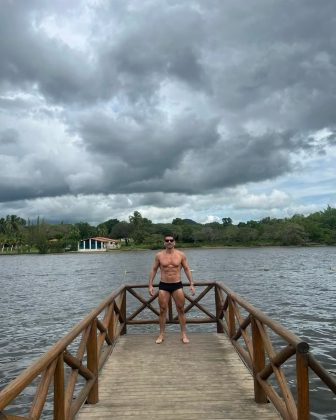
(43, 296)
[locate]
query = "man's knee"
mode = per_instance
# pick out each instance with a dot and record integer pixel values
(163, 308)
(180, 308)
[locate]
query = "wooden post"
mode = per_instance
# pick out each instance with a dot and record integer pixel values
(232, 322)
(59, 413)
(123, 313)
(111, 324)
(302, 381)
(92, 362)
(258, 362)
(219, 309)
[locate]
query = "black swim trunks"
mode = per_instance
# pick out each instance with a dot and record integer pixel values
(170, 287)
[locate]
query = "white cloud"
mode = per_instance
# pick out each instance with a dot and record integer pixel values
(275, 199)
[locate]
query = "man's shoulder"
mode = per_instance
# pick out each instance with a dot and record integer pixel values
(180, 253)
(163, 253)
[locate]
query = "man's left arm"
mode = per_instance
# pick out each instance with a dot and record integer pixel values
(188, 273)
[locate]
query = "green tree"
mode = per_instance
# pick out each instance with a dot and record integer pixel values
(329, 218)
(122, 230)
(177, 221)
(40, 236)
(108, 225)
(71, 238)
(141, 227)
(246, 234)
(227, 221)
(12, 231)
(85, 230)
(293, 234)
(101, 230)
(230, 234)
(188, 234)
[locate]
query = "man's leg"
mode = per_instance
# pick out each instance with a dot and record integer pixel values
(164, 297)
(179, 299)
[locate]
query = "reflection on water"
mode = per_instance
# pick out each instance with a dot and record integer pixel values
(43, 296)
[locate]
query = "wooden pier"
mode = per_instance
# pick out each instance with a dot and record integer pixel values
(249, 367)
(204, 379)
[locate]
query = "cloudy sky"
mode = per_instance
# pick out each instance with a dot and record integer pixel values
(175, 108)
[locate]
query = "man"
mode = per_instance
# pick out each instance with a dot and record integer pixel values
(171, 261)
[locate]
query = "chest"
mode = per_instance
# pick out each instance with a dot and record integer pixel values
(170, 261)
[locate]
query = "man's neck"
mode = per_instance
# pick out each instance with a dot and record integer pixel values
(170, 251)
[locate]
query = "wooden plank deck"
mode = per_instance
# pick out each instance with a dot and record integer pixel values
(205, 379)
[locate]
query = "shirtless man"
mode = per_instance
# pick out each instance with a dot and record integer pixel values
(170, 261)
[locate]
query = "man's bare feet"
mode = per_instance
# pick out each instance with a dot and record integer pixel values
(185, 340)
(160, 339)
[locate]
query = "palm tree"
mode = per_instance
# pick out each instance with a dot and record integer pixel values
(11, 229)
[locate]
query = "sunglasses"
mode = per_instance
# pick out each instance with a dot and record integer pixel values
(169, 240)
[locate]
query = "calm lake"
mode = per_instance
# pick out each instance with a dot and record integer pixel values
(43, 296)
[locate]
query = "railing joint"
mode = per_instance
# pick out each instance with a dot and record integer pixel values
(302, 347)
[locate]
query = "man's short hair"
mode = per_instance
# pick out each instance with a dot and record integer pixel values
(170, 235)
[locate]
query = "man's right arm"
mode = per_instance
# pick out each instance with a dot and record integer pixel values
(152, 274)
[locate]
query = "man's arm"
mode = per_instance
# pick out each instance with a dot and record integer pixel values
(188, 273)
(152, 274)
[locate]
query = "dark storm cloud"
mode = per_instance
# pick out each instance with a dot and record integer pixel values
(8, 137)
(331, 139)
(249, 160)
(22, 179)
(11, 193)
(157, 199)
(25, 174)
(166, 42)
(30, 58)
(13, 105)
(169, 96)
(130, 152)
(148, 143)
(278, 62)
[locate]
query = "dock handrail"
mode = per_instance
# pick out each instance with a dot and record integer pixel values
(258, 346)
(101, 328)
(51, 365)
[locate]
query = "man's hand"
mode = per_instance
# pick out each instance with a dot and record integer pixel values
(192, 289)
(151, 290)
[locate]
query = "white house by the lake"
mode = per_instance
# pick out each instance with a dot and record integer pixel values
(98, 243)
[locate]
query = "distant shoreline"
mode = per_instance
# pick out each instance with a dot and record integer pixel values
(205, 247)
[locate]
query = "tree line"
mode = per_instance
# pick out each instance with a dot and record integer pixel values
(20, 235)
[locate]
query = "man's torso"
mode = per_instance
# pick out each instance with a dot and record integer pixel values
(170, 266)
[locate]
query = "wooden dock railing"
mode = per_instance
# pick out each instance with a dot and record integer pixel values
(74, 372)
(253, 336)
